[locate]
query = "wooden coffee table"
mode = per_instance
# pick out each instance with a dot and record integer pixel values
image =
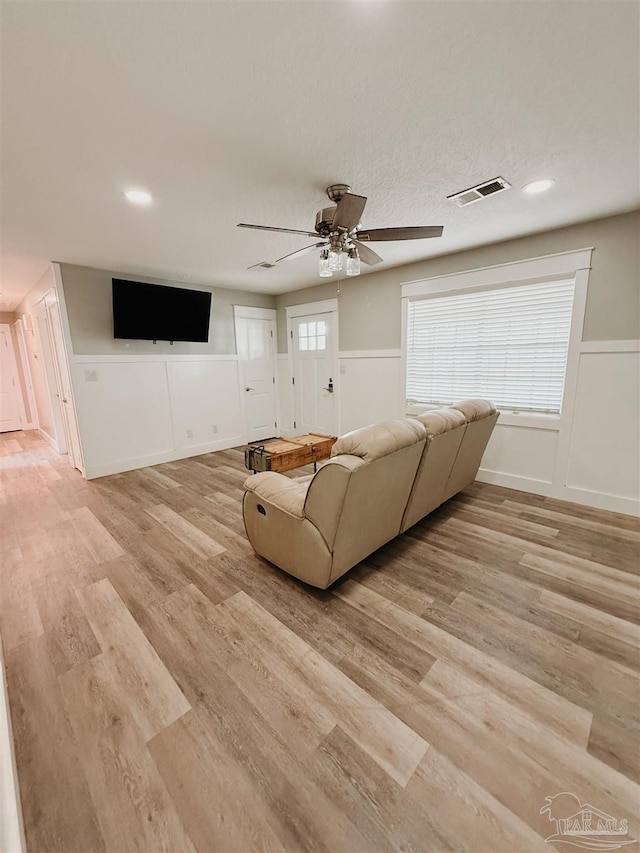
(284, 454)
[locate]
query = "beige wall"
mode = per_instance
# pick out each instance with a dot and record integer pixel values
(88, 298)
(7, 317)
(370, 304)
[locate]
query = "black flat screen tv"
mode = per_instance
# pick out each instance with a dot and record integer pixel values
(155, 312)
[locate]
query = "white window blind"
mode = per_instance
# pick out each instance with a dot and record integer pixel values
(508, 345)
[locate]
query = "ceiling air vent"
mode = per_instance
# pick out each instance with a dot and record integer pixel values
(495, 185)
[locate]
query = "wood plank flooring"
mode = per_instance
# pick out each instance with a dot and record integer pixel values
(169, 690)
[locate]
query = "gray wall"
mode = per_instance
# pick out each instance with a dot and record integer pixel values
(88, 296)
(370, 304)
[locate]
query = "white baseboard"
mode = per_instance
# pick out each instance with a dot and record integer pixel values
(11, 827)
(598, 500)
(48, 438)
(121, 465)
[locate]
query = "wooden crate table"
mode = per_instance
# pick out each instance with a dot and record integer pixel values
(284, 454)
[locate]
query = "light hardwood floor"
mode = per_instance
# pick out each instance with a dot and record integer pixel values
(169, 690)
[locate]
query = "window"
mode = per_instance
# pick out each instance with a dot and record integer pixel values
(508, 344)
(312, 336)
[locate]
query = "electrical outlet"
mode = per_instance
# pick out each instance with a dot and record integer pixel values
(189, 433)
(214, 428)
(91, 376)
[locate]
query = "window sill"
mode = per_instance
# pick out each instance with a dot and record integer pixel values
(529, 420)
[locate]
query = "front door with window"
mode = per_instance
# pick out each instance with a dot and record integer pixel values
(314, 367)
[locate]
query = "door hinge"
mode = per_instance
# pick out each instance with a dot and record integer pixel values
(293, 380)
(274, 380)
(295, 425)
(275, 423)
(271, 332)
(291, 333)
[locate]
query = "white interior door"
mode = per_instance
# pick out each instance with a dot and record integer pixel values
(10, 393)
(32, 416)
(256, 355)
(314, 373)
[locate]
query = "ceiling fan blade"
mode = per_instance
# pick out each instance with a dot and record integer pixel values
(264, 264)
(349, 211)
(283, 230)
(299, 252)
(418, 233)
(367, 255)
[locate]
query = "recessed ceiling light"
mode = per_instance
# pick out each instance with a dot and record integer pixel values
(538, 186)
(138, 196)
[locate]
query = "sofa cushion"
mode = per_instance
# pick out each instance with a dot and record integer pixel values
(474, 410)
(378, 440)
(438, 421)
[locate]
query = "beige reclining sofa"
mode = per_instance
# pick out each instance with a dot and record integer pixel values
(380, 480)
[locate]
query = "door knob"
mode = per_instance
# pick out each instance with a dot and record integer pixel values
(248, 389)
(330, 386)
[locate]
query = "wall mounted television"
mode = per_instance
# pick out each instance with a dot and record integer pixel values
(156, 312)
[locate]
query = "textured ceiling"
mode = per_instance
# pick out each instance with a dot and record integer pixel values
(245, 111)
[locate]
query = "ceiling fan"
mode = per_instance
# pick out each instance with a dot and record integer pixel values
(341, 234)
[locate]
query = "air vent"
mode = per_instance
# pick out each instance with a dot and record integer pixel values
(495, 185)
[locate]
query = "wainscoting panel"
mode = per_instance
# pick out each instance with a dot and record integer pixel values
(521, 452)
(605, 442)
(205, 402)
(123, 412)
(139, 411)
(285, 395)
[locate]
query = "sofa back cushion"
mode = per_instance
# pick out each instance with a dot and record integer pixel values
(377, 485)
(481, 416)
(373, 442)
(445, 432)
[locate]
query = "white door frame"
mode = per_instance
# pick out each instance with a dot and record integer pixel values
(67, 353)
(26, 372)
(15, 377)
(47, 358)
(246, 312)
(325, 306)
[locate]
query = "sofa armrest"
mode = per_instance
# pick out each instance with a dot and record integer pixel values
(280, 491)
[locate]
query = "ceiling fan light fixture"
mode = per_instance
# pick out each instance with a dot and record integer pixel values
(323, 265)
(335, 260)
(339, 229)
(353, 262)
